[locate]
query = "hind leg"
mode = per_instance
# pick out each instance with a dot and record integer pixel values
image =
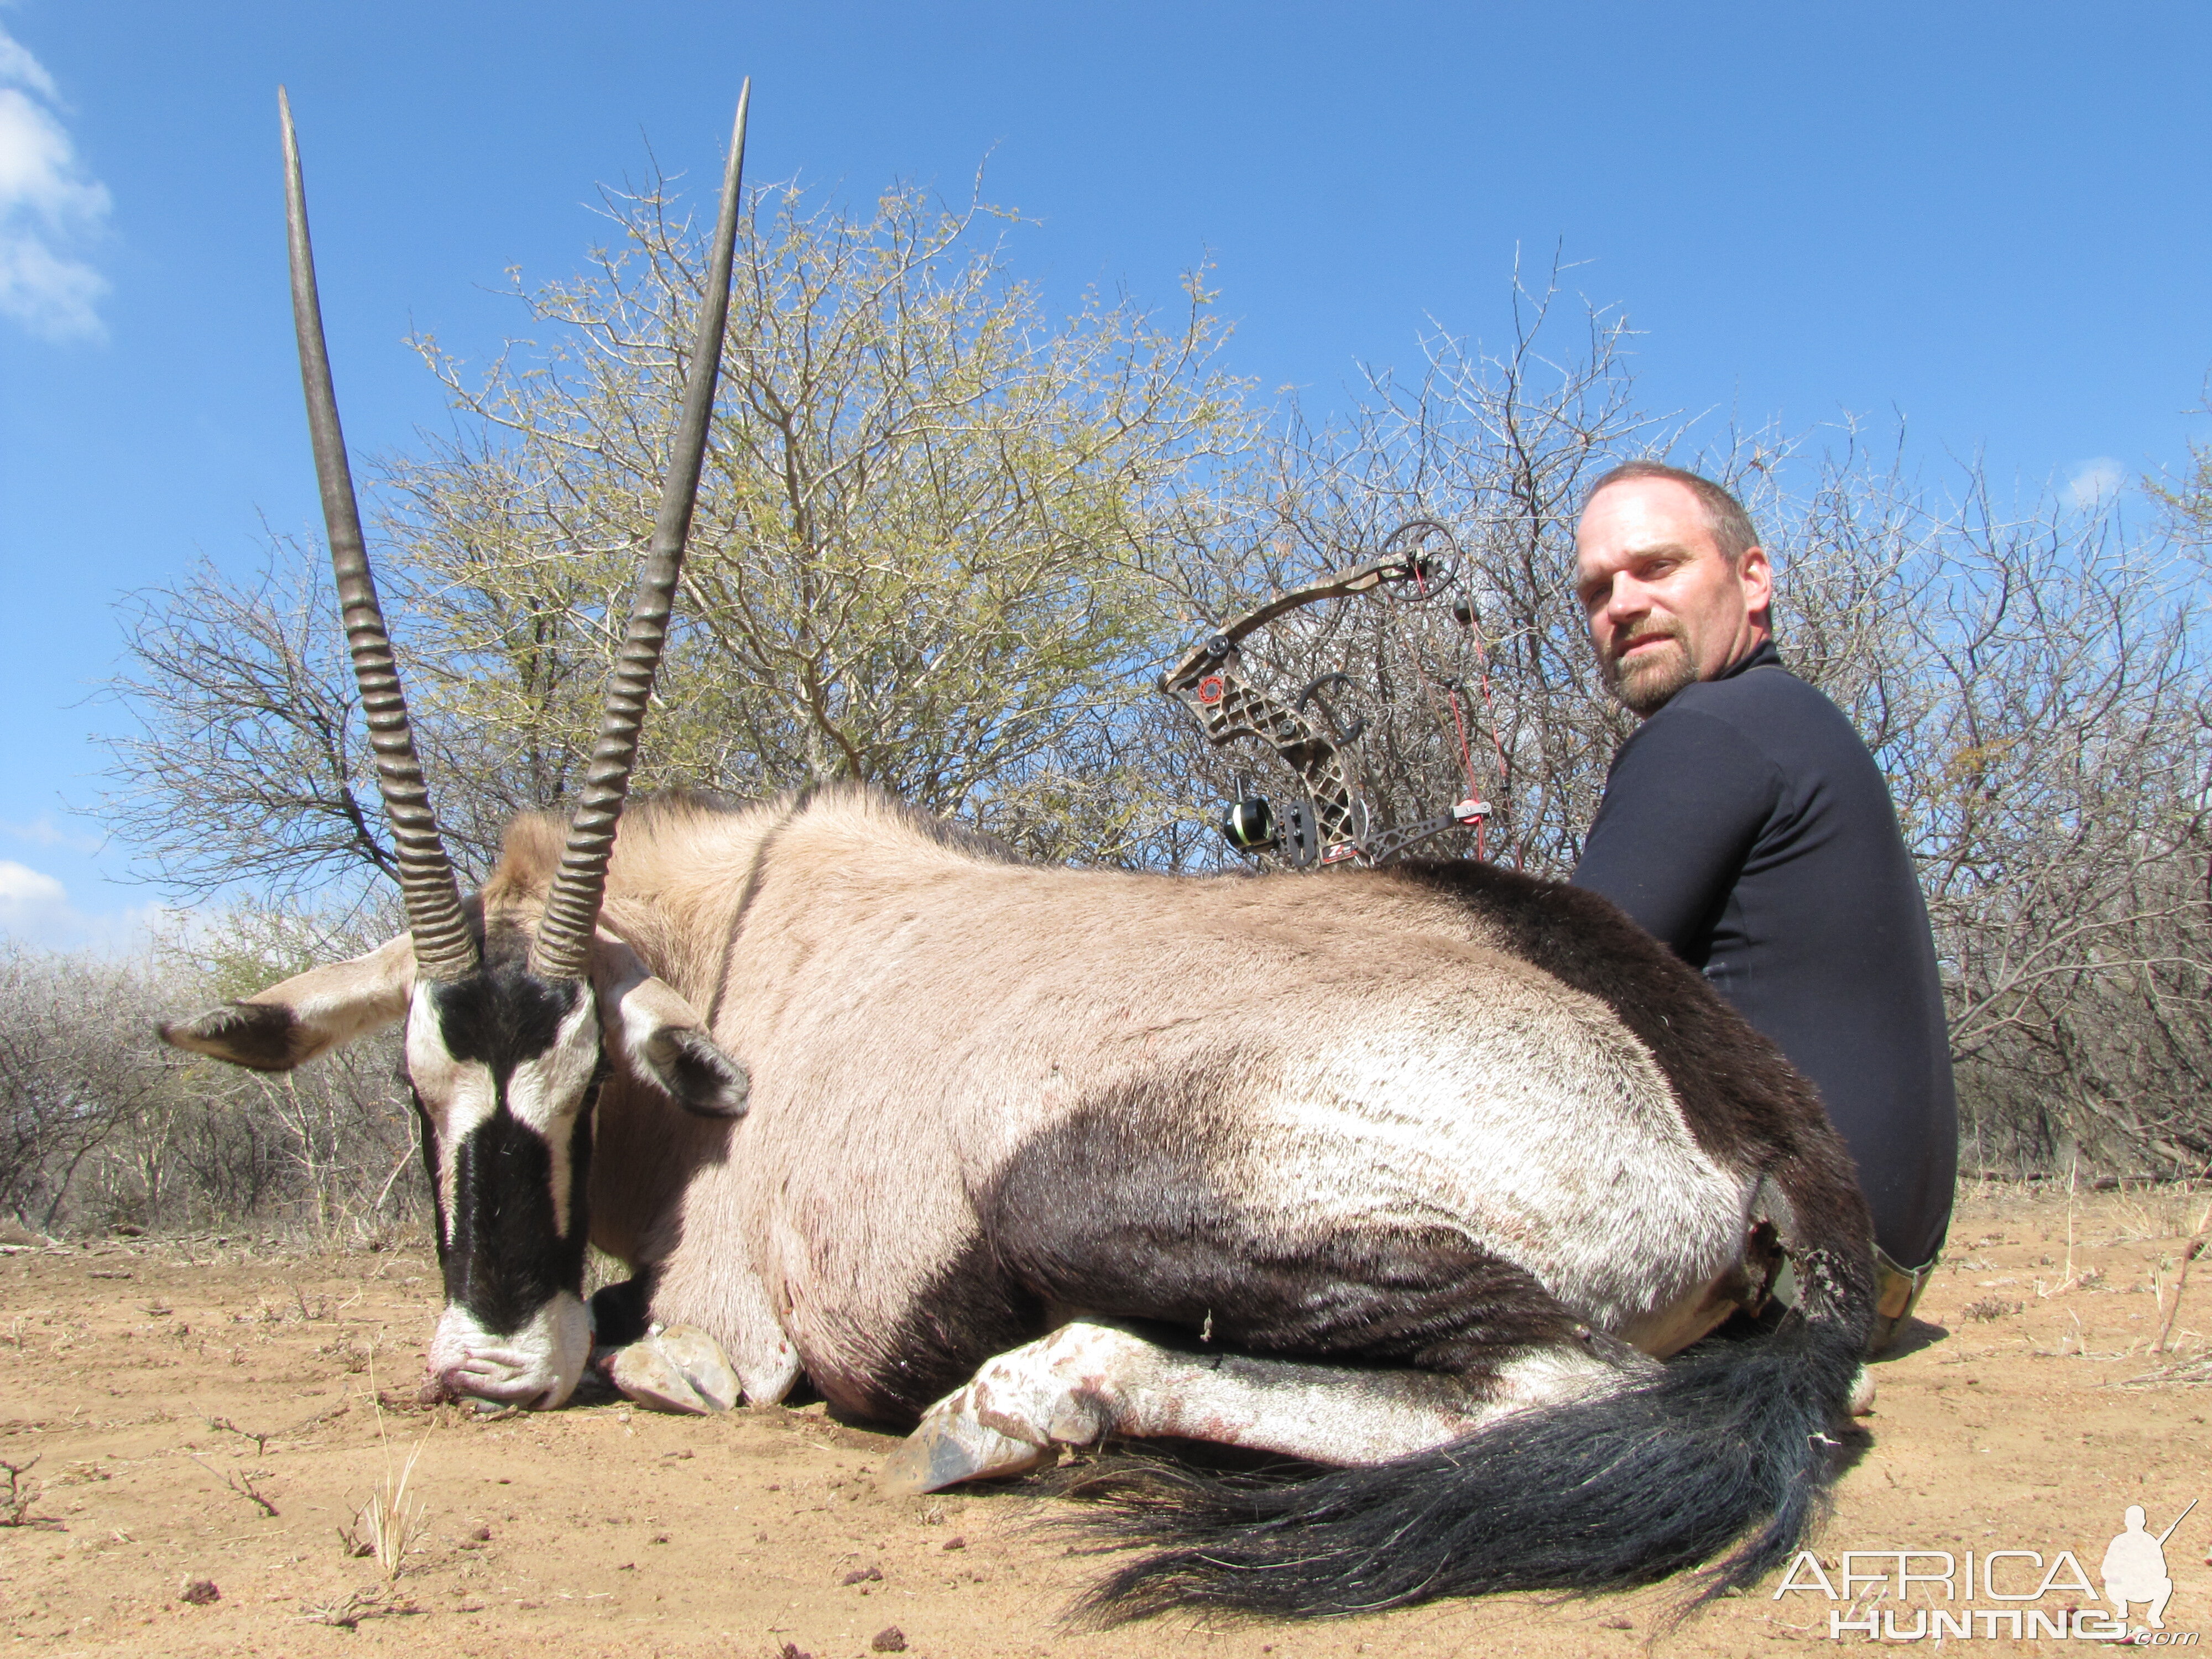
(1087, 1382)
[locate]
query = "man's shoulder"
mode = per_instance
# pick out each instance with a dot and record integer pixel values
(1697, 757)
(1770, 707)
(1764, 685)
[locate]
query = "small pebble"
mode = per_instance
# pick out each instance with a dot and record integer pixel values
(890, 1640)
(864, 1576)
(955, 1543)
(199, 1592)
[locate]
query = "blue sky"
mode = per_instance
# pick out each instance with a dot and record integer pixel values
(1988, 218)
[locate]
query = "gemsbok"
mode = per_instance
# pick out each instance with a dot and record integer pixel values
(1420, 1172)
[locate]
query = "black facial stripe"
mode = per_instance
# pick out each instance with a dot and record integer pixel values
(508, 1259)
(429, 1133)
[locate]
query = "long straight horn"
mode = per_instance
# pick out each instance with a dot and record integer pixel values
(572, 910)
(444, 948)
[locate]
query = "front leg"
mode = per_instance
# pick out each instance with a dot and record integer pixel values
(741, 1330)
(731, 1303)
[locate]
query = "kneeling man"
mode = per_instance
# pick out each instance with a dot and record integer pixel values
(1745, 825)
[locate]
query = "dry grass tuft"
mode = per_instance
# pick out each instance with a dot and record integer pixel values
(22, 1492)
(347, 1614)
(388, 1527)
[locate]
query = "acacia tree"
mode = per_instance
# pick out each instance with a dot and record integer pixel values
(2188, 500)
(100, 1124)
(247, 761)
(925, 549)
(2047, 740)
(2032, 686)
(75, 1073)
(926, 554)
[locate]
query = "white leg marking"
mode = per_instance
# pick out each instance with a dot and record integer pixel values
(1085, 1381)
(1863, 1392)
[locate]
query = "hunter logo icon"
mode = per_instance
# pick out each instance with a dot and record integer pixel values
(2134, 1567)
(1938, 1590)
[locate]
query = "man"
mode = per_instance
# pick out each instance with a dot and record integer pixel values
(1746, 825)
(2135, 1570)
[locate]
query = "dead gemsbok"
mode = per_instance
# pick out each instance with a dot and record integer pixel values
(1421, 1172)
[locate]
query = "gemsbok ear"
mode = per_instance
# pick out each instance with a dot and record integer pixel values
(291, 1023)
(662, 1036)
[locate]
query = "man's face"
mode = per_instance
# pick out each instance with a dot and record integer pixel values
(1665, 606)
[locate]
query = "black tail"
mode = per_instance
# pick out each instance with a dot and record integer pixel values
(1721, 1458)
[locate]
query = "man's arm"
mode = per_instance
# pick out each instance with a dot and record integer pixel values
(1682, 808)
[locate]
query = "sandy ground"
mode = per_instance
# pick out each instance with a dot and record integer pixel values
(203, 1410)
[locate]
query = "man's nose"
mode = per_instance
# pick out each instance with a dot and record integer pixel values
(1626, 600)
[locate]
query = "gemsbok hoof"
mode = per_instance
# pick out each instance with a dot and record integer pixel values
(951, 1444)
(704, 1366)
(681, 1369)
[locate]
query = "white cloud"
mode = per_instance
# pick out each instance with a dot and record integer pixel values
(2095, 482)
(51, 209)
(36, 910)
(43, 831)
(28, 899)
(19, 68)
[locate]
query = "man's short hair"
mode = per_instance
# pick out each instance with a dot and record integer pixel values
(1724, 514)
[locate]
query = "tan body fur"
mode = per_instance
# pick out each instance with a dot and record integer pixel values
(1337, 1055)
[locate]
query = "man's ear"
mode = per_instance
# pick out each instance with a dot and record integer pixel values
(661, 1036)
(288, 1024)
(1755, 571)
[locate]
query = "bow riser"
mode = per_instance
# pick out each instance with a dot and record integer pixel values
(1232, 709)
(1333, 827)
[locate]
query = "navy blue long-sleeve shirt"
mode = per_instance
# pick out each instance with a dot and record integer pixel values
(1746, 825)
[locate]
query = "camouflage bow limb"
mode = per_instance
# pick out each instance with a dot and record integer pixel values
(1210, 677)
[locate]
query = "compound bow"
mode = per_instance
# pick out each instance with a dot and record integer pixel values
(1332, 826)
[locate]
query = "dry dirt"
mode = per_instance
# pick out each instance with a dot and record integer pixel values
(203, 1410)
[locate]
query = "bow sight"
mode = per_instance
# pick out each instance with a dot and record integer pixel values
(1331, 826)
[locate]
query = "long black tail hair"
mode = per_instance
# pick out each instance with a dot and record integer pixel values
(1723, 1458)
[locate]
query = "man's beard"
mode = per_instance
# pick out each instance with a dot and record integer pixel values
(1648, 682)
